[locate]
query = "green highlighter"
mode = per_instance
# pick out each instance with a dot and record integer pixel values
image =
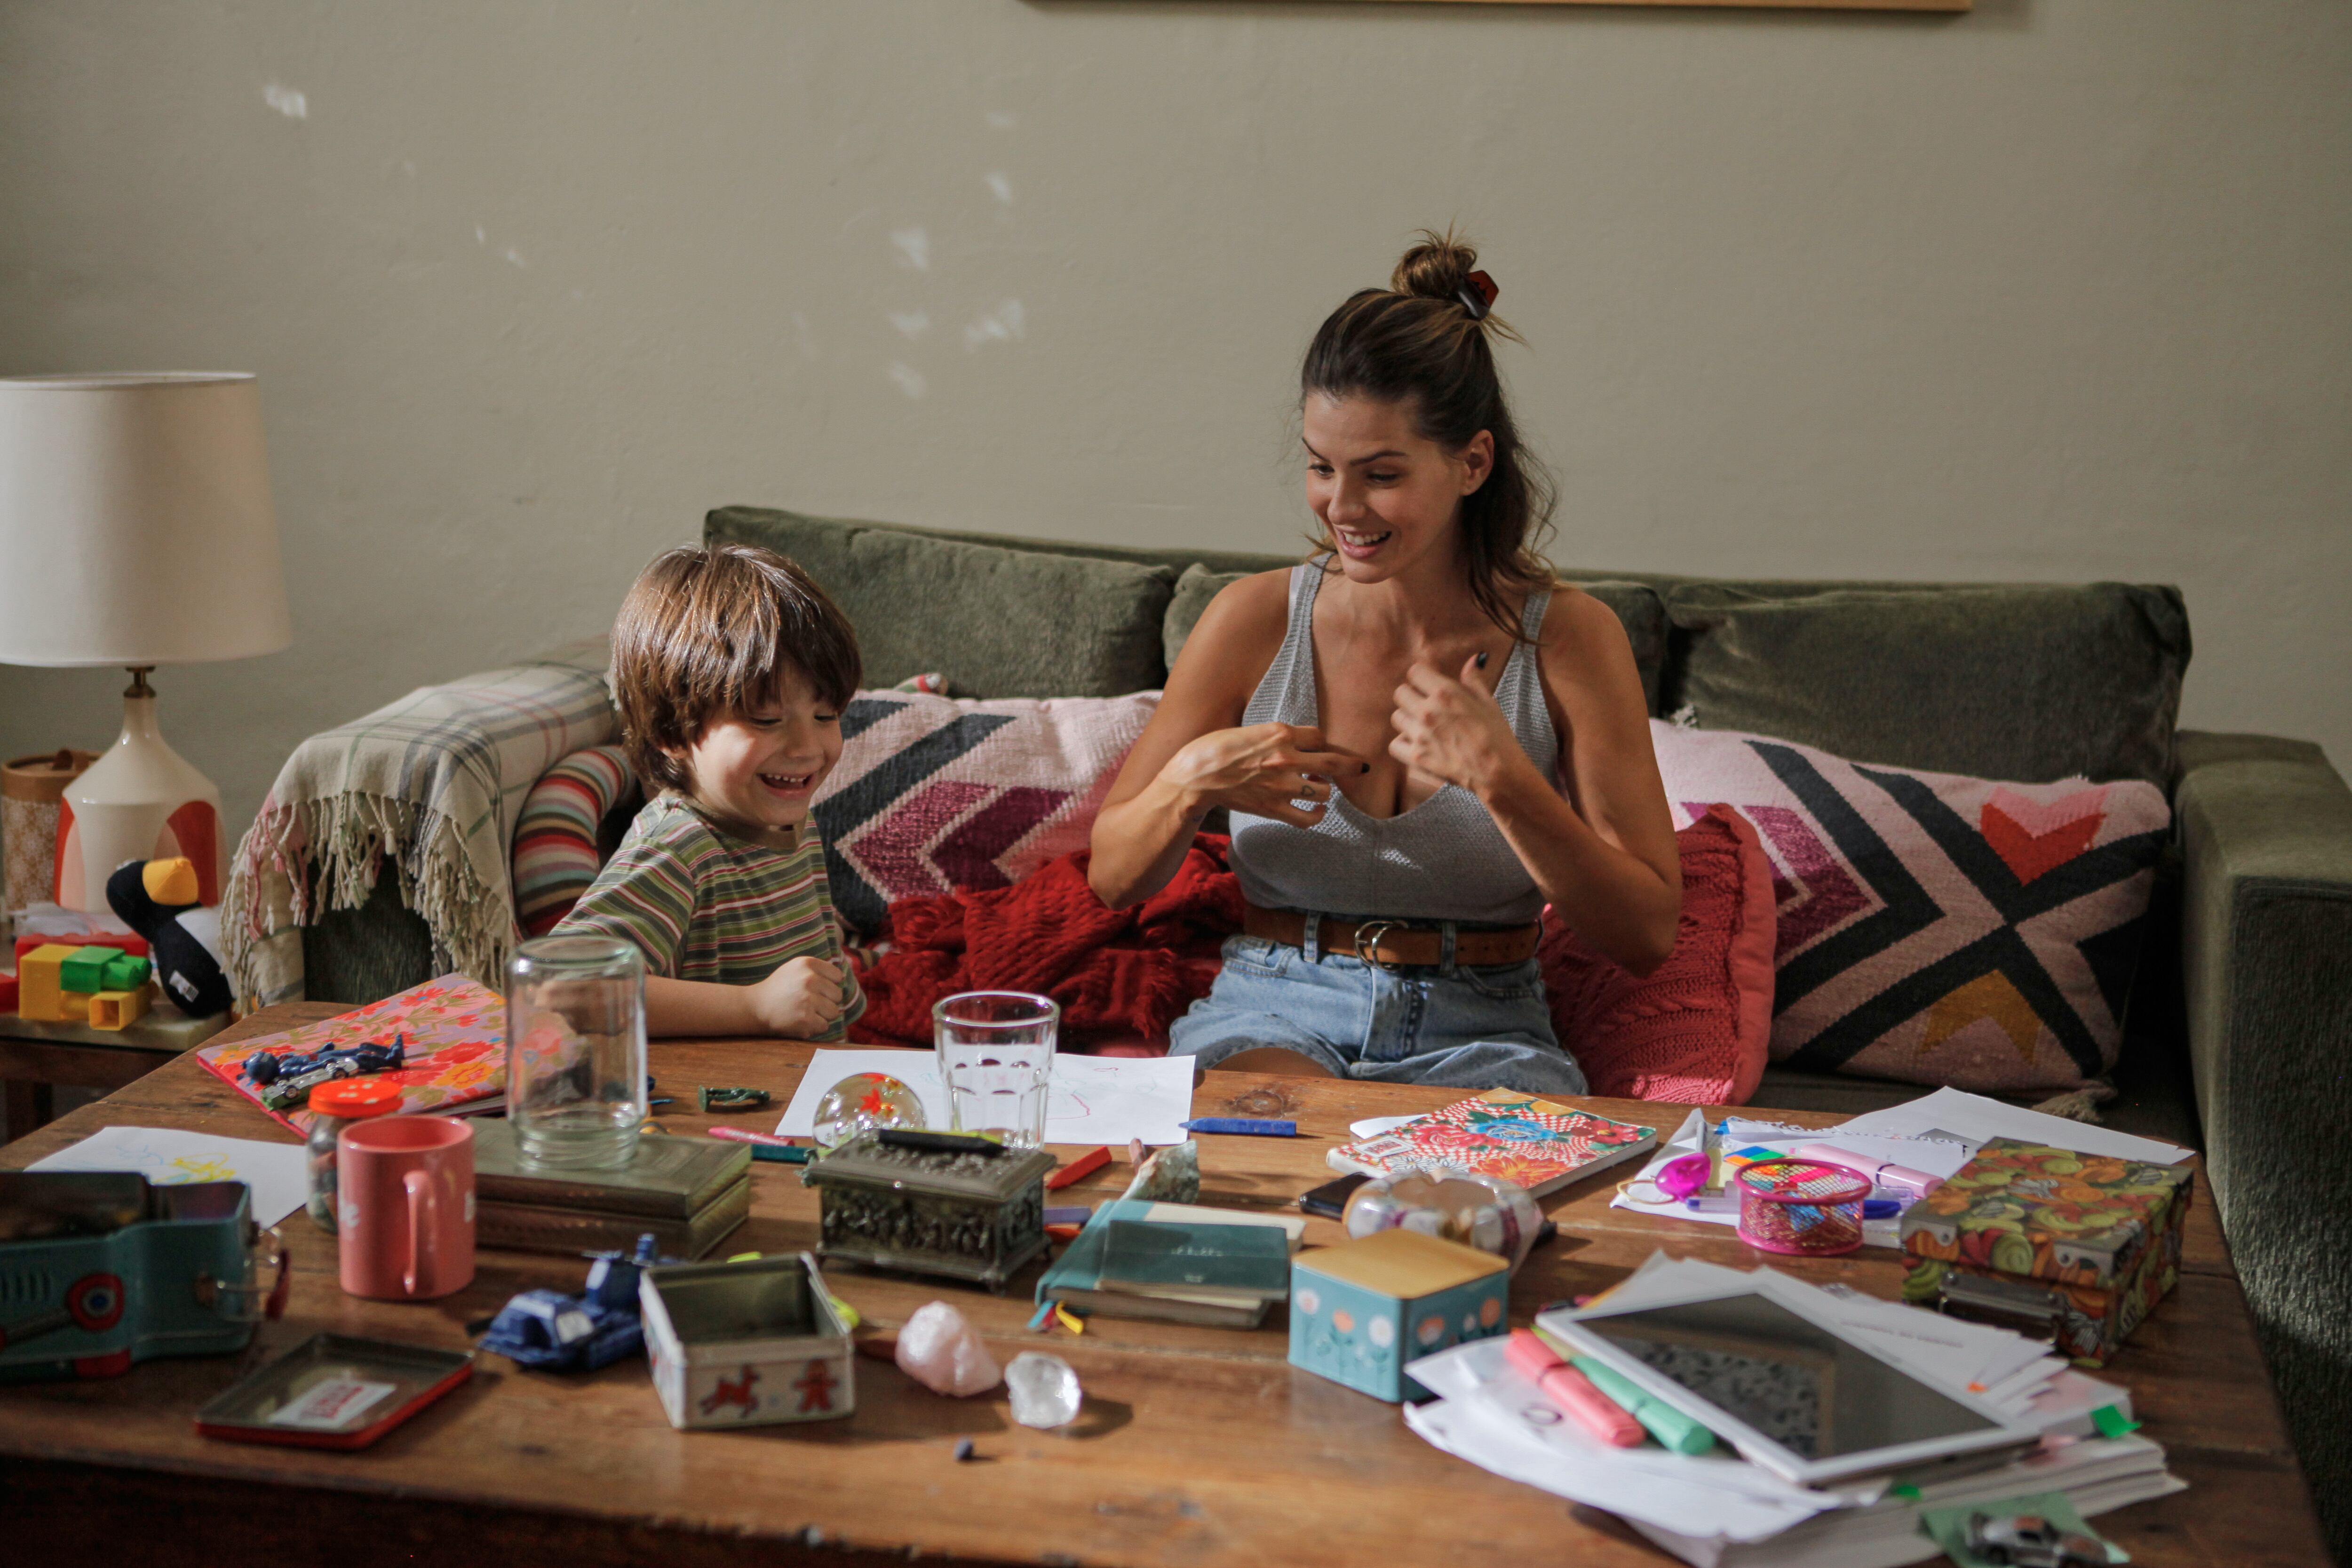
(1670, 1427)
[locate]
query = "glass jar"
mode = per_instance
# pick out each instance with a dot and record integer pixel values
(335, 1106)
(576, 1050)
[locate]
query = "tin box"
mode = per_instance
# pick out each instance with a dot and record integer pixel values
(967, 1216)
(2071, 1248)
(1360, 1310)
(334, 1391)
(99, 1270)
(746, 1344)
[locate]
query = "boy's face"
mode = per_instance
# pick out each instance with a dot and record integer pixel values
(762, 768)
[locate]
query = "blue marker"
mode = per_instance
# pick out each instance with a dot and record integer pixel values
(1243, 1126)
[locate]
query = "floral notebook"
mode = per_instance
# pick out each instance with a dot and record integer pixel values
(1534, 1143)
(454, 1032)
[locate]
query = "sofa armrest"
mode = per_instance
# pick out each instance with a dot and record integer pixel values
(430, 784)
(2266, 830)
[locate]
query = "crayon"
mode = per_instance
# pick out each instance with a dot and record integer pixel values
(1086, 1165)
(1243, 1126)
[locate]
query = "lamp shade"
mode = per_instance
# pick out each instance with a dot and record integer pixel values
(135, 522)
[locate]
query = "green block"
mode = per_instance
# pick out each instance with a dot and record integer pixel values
(128, 971)
(84, 968)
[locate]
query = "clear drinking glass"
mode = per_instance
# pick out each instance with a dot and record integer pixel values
(996, 1062)
(576, 1049)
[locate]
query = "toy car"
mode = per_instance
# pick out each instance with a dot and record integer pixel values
(2030, 1540)
(555, 1332)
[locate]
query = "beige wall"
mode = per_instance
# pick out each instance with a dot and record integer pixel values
(2060, 290)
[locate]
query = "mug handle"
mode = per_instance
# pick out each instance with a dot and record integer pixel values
(420, 1203)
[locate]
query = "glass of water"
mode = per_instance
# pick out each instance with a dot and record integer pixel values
(576, 1049)
(996, 1062)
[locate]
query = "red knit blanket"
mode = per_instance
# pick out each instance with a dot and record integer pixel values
(1132, 970)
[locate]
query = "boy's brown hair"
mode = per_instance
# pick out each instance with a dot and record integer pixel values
(704, 633)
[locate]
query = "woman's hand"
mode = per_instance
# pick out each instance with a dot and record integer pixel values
(801, 1000)
(1451, 728)
(1262, 769)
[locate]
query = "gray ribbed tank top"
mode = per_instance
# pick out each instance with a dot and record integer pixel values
(1442, 860)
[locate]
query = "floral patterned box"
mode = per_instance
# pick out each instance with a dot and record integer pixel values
(2026, 1231)
(1360, 1310)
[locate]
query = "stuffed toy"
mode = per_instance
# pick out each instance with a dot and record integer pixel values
(157, 898)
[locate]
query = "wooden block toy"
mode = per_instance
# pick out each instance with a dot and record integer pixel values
(8, 993)
(38, 986)
(73, 1006)
(125, 972)
(117, 1009)
(84, 969)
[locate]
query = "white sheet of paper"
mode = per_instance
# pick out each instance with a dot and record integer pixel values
(278, 1173)
(1094, 1100)
(1975, 1117)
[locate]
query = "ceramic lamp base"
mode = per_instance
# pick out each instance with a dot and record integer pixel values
(140, 801)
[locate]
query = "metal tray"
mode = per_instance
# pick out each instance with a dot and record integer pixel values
(334, 1391)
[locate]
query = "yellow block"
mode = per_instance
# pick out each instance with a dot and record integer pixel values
(39, 985)
(73, 1006)
(117, 1009)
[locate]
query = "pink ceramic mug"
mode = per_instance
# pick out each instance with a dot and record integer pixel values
(405, 1196)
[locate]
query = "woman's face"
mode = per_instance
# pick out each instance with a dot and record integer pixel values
(1389, 497)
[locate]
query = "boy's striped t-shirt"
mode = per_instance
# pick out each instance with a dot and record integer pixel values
(704, 904)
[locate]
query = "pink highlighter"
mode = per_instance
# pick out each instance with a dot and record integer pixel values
(1894, 1178)
(1572, 1391)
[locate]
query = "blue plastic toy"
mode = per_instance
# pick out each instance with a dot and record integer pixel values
(551, 1331)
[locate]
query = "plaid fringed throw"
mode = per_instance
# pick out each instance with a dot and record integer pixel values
(433, 783)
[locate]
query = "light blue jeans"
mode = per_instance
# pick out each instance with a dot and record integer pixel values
(1447, 1025)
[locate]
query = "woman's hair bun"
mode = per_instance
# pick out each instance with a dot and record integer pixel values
(1439, 267)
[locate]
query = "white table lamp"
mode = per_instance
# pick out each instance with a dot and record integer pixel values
(136, 530)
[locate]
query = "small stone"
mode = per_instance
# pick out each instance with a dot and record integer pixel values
(1046, 1391)
(962, 1450)
(1171, 1176)
(941, 1350)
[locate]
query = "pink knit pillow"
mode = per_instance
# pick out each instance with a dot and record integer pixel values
(1936, 928)
(1694, 1031)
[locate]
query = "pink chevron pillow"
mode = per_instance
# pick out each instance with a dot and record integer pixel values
(937, 794)
(1935, 928)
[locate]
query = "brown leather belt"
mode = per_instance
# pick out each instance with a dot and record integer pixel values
(1394, 942)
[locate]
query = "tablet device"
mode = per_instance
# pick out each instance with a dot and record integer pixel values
(1785, 1384)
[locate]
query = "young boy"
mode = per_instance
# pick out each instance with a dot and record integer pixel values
(733, 668)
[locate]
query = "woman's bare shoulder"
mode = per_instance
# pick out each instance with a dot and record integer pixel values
(1577, 623)
(1237, 634)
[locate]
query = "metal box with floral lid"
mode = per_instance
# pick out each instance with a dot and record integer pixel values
(2069, 1248)
(967, 1215)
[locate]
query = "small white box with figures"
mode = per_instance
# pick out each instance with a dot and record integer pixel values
(747, 1344)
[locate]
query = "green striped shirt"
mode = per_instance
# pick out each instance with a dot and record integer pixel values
(704, 904)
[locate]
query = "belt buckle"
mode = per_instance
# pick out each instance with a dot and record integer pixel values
(1368, 951)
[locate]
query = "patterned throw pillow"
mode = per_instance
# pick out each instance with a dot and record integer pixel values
(1934, 928)
(557, 851)
(1696, 1029)
(934, 795)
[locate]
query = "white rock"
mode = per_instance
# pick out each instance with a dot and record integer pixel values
(1045, 1390)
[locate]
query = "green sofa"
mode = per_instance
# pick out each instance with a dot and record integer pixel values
(2238, 1030)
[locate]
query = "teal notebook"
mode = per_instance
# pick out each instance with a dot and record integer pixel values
(1075, 1277)
(1245, 1263)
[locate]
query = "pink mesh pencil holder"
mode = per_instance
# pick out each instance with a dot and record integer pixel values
(1801, 1206)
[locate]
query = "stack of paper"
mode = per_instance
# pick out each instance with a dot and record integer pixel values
(1721, 1509)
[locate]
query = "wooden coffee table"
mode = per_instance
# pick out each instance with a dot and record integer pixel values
(1199, 1445)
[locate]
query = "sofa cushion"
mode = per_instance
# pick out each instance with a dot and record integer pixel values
(2029, 682)
(1935, 928)
(996, 620)
(938, 795)
(1638, 608)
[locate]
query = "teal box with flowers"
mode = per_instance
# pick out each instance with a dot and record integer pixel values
(1360, 1310)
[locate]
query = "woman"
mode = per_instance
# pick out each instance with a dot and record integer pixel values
(1421, 737)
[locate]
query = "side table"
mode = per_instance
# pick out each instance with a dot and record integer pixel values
(37, 1057)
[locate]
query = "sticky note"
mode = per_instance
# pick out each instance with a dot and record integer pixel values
(2111, 1422)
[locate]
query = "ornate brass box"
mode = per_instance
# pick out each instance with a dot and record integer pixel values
(966, 1216)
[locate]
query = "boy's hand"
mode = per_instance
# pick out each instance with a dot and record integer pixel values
(802, 999)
